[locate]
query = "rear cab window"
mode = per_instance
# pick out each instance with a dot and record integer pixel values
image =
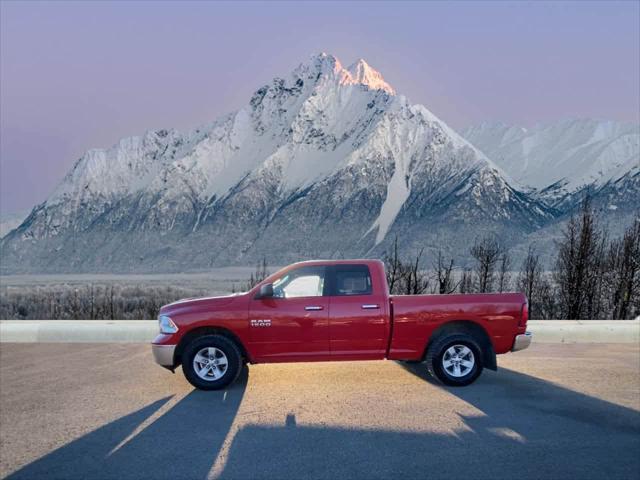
(348, 280)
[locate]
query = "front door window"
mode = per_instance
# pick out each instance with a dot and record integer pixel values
(301, 282)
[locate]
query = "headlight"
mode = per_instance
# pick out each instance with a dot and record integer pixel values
(166, 325)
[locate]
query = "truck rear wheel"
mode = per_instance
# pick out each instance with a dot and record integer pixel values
(211, 362)
(455, 359)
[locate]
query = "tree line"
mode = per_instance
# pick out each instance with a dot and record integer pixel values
(89, 302)
(592, 276)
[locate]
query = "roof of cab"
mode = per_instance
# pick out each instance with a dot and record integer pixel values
(337, 262)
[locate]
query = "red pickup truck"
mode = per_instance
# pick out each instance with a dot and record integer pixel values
(338, 310)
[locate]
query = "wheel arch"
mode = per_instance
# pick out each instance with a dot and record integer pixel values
(208, 330)
(469, 327)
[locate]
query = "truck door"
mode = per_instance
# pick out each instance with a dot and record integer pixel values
(358, 318)
(293, 325)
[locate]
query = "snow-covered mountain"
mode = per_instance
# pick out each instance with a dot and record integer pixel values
(326, 162)
(562, 159)
(9, 221)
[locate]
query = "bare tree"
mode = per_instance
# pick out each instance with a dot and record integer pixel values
(504, 266)
(393, 267)
(413, 281)
(111, 303)
(486, 253)
(546, 306)
(577, 263)
(76, 309)
(91, 294)
(530, 280)
(444, 275)
(595, 283)
(623, 267)
(466, 282)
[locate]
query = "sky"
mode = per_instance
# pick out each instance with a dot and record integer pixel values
(80, 75)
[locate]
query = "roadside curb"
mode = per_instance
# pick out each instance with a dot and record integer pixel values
(143, 331)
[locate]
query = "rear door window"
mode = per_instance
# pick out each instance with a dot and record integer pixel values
(351, 280)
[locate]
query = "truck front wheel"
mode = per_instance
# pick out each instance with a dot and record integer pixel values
(211, 362)
(455, 359)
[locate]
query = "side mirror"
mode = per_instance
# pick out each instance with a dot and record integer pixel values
(266, 291)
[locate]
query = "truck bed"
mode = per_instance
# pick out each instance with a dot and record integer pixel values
(415, 317)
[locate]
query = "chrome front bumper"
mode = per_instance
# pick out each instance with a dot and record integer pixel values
(522, 341)
(163, 354)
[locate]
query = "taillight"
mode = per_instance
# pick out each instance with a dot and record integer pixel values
(524, 317)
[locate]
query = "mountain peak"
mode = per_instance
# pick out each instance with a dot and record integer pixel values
(361, 72)
(324, 58)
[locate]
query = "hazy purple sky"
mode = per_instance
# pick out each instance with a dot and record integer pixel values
(80, 75)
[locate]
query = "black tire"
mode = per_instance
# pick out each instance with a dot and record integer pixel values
(437, 351)
(226, 346)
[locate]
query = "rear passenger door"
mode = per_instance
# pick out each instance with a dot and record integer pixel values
(358, 319)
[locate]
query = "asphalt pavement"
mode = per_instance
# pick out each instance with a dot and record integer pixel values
(88, 411)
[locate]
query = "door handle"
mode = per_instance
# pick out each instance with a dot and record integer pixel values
(313, 307)
(370, 306)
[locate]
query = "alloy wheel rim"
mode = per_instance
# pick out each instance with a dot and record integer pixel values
(210, 364)
(458, 360)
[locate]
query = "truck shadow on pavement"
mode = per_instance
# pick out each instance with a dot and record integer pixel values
(183, 442)
(526, 428)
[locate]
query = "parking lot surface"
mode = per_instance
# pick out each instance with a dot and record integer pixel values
(106, 411)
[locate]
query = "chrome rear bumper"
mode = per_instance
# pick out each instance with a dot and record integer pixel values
(163, 354)
(522, 341)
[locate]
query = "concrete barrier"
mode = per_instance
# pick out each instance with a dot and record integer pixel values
(585, 331)
(143, 331)
(78, 331)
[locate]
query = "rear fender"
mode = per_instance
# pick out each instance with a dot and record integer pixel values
(471, 328)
